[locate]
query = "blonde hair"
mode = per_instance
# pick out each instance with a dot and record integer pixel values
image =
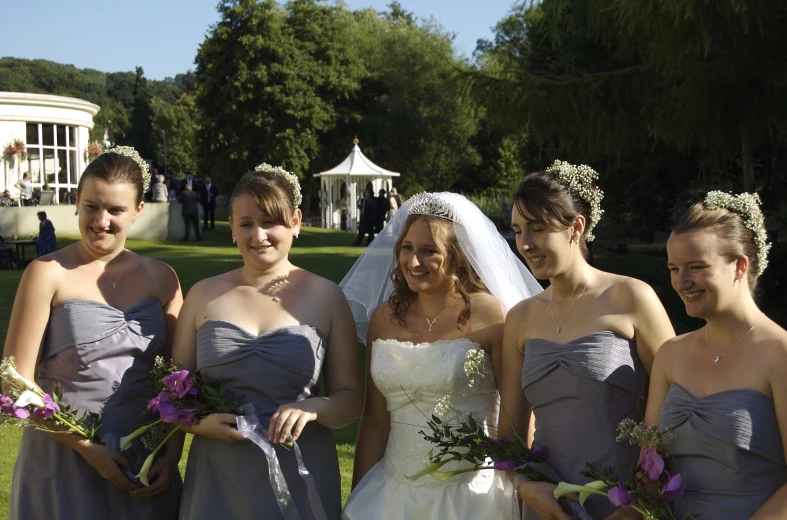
(465, 280)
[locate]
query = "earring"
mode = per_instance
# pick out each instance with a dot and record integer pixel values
(738, 279)
(575, 240)
(295, 235)
(233, 240)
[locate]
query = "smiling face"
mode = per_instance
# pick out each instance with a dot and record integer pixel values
(546, 249)
(423, 259)
(262, 242)
(106, 211)
(700, 274)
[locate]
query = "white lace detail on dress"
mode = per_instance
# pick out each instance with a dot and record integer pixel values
(413, 378)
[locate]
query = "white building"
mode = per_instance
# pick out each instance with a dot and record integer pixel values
(54, 130)
(341, 188)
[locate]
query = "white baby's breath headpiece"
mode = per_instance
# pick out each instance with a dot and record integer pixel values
(131, 153)
(747, 206)
(291, 179)
(430, 204)
(579, 181)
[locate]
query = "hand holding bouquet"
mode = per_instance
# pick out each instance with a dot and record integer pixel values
(25, 404)
(648, 488)
(183, 398)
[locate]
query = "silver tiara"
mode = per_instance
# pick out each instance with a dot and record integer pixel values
(431, 205)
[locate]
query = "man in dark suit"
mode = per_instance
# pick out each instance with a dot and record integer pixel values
(382, 212)
(207, 196)
(188, 181)
(368, 216)
(190, 211)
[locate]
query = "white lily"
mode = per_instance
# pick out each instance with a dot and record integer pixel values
(143, 473)
(125, 442)
(591, 488)
(11, 376)
(27, 398)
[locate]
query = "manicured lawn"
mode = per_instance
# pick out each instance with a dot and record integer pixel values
(328, 254)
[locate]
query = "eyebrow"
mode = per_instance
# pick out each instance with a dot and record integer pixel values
(88, 201)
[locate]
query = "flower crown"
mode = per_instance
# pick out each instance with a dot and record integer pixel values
(291, 179)
(579, 181)
(747, 206)
(431, 205)
(131, 153)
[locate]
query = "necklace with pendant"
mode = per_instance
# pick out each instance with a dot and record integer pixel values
(717, 357)
(560, 325)
(432, 322)
(272, 289)
(104, 273)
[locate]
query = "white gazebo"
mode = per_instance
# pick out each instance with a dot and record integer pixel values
(341, 186)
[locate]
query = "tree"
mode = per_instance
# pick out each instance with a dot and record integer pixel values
(141, 116)
(179, 123)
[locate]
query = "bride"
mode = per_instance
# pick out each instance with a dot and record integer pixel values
(434, 284)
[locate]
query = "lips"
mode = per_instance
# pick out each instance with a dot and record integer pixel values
(417, 274)
(693, 295)
(536, 260)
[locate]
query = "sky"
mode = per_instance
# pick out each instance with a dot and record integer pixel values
(162, 36)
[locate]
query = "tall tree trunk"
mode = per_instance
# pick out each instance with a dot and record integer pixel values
(748, 162)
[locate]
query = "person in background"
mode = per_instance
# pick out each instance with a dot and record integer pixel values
(6, 199)
(190, 212)
(188, 181)
(46, 242)
(399, 199)
(160, 191)
(368, 215)
(208, 195)
(26, 189)
(173, 190)
(382, 211)
(9, 254)
(393, 204)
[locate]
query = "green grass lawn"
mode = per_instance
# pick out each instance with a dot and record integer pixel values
(324, 252)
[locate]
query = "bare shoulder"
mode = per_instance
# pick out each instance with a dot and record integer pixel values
(318, 287)
(630, 292)
(776, 344)
(486, 307)
(158, 271)
(671, 350)
(520, 312)
(209, 288)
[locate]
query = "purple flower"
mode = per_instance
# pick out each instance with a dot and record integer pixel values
(50, 408)
(495, 442)
(154, 403)
(673, 488)
(651, 463)
(20, 413)
(169, 412)
(6, 404)
(181, 383)
(538, 452)
(619, 496)
(505, 465)
(189, 417)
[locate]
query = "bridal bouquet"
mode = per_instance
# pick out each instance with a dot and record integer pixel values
(648, 488)
(183, 398)
(467, 439)
(24, 404)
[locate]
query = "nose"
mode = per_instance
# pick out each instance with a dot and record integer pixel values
(102, 219)
(683, 280)
(413, 261)
(261, 235)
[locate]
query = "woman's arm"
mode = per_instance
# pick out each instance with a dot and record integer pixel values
(375, 424)
(652, 326)
(776, 506)
(514, 409)
(660, 379)
(184, 350)
(343, 401)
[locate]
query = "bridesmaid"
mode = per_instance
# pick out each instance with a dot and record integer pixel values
(91, 318)
(721, 389)
(264, 331)
(578, 354)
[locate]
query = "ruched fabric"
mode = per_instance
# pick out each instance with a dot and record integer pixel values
(579, 392)
(281, 366)
(100, 357)
(728, 451)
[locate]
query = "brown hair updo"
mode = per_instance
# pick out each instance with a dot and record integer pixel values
(271, 192)
(550, 203)
(466, 281)
(114, 168)
(735, 239)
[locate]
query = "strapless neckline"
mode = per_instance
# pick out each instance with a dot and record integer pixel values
(85, 301)
(582, 337)
(428, 344)
(720, 392)
(230, 325)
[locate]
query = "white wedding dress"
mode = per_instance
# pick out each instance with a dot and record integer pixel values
(413, 378)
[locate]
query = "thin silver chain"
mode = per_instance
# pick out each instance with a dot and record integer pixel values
(560, 325)
(717, 357)
(104, 273)
(432, 322)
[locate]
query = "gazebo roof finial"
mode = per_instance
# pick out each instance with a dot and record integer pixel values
(355, 141)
